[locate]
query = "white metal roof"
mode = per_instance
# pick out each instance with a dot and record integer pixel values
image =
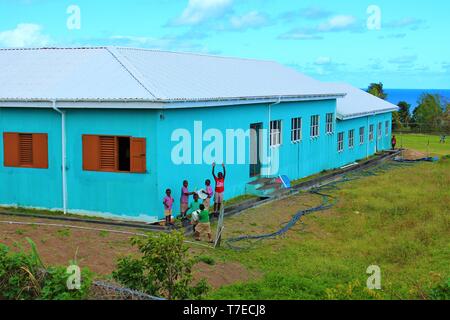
(126, 74)
(357, 103)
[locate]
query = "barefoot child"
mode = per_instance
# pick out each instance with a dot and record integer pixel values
(209, 192)
(184, 201)
(168, 203)
(220, 188)
(203, 225)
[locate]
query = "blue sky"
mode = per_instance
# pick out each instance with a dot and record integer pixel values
(329, 40)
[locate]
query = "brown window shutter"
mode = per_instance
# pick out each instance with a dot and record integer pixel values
(26, 149)
(10, 149)
(138, 155)
(91, 152)
(40, 151)
(108, 153)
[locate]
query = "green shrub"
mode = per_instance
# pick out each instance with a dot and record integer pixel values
(23, 276)
(55, 285)
(164, 268)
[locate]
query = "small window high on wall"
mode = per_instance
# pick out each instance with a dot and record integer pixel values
(114, 154)
(25, 150)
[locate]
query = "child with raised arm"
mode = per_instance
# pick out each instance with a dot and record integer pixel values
(220, 188)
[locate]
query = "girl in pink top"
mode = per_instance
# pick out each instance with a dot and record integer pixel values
(168, 204)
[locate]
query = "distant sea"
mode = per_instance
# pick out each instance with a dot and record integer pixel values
(412, 95)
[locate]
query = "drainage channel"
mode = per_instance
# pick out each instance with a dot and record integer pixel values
(311, 184)
(92, 221)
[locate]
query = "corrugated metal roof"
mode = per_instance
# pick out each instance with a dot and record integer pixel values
(175, 76)
(358, 103)
(65, 74)
(123, 74)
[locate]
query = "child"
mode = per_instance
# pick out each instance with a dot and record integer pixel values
(168, 203)
(195, 205)
(203, 225)
(209, 191)
(393, 142)
(184, 201)
(220, 188)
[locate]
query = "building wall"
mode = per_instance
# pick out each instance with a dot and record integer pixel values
(139, 196)
(297, 160)
(128, 195)
(32, 187)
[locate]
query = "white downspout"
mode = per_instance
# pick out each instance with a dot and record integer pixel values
(63, 154)
(268, 143)
(368, 140)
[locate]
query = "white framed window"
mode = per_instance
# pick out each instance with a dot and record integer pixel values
(379, 131)
(340, 141)
(386, 129)
(315, 126)
(296, 130)
(361, 135)
(371, 132)
(351, 138)
(330, 121)
(275, 133)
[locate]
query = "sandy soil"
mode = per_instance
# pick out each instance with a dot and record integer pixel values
(99, 250)
(413, 155)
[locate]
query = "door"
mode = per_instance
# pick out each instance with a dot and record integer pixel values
(255, 149)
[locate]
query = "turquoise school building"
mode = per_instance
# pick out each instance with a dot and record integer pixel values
(104, 131)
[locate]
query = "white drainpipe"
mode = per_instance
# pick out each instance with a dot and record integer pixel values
(268, 144)
(63, 154)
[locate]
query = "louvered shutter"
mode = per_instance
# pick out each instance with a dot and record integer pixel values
(108, 161)
(25, 149)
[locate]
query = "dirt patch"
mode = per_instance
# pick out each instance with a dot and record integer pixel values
(412, 155)
(222, 274)
(97, 250)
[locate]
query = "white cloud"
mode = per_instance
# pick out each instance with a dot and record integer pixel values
(322, 61)
(253, 19)
(198, 11)
(412, 23)
(24, 35)
(300, 34)
(338, 23)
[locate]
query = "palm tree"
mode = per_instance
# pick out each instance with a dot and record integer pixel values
(377, 90)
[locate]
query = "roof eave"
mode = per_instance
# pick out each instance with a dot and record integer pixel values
(341, 116)
(160, 103)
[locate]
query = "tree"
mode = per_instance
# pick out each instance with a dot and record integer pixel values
(446, 120)
(164, 268)
(403, 113)
(396, 123)
(429, 113)
(377, 90)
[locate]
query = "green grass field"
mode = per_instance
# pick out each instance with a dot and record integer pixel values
(398, 220)
(424, 143)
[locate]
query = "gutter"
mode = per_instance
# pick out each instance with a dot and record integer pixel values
(63, 154)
